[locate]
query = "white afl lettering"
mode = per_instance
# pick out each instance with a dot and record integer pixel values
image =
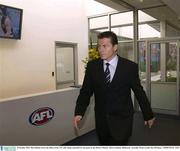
(49, 114)
(36, 118)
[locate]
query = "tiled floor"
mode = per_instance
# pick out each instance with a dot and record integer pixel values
(166, 131)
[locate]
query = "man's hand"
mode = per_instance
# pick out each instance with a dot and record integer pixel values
(76, 120)
(149, 122)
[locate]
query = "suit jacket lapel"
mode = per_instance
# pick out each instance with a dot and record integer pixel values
(101, 71)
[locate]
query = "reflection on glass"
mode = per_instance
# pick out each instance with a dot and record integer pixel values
(168, 53)
(144, 17)
(142, 60)
(148, 30)
(172, 31)
(125, 50)
(96, 26)
(124, 33)
(65, 66)
(122, 19)
(122, 25)
(142, 56)
(148, 25)
(155, 62)
(155, 57)
(93, 37)
(98, 23)
(171, 63)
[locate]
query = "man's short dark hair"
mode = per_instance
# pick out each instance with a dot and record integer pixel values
(4, 11)
(111, 35)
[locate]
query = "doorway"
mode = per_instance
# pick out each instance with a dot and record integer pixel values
(66, 66)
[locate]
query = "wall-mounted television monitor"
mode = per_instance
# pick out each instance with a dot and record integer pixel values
(10, 22)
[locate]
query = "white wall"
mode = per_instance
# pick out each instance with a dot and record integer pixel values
(26, 64)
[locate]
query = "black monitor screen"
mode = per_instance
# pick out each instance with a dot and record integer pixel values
(10, 22)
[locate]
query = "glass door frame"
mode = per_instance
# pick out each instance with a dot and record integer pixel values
(148, 43)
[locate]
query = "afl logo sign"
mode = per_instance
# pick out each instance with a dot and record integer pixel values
(41, 116)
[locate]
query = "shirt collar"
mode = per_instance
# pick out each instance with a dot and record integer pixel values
(113, 61)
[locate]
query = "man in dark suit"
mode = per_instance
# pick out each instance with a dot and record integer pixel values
(111, 79)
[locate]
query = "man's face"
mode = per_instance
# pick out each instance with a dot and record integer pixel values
(106, 50)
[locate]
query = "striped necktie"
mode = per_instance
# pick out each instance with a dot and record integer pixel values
(107, 74)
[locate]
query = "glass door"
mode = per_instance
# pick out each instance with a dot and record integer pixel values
(163, 76)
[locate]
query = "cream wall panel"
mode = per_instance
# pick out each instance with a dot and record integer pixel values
(27, 64)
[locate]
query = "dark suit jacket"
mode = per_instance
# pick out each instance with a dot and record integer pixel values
(113, 103)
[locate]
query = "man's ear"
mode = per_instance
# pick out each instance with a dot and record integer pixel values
(115, 47)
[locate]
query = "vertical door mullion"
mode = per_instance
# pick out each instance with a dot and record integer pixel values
(148, 70)
(178, 76)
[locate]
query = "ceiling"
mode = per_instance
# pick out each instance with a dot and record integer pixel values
(174, 5)
(139, 4)
(163, 10)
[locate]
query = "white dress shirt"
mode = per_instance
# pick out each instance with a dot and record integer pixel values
(112, 66)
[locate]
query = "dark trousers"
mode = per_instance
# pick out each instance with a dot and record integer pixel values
(112, 142)
(105, 138)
